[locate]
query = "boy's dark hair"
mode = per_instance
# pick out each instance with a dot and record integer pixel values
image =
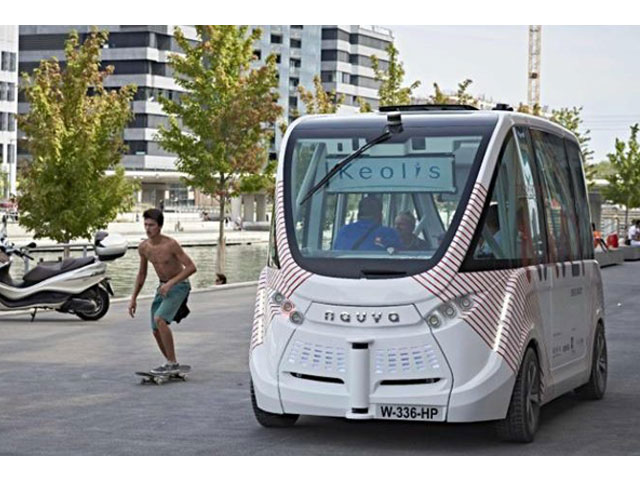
(154, 214)
(222, 277)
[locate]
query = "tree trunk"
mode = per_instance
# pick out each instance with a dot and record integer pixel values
(626, 217)
(221, 249)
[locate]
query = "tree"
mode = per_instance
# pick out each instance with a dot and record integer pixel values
(221, 128)
(534, 110)
(461, 97)
(390, 91)
(624, 183)
(602, 169)
(322, 101)
(318, 102)
(74, 132)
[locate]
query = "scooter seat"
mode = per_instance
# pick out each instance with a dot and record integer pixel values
(46, 270)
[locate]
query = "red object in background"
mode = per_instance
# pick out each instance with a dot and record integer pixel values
(612, 240)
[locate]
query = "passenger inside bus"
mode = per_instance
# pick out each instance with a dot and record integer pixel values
(405, 224)
(367, 233)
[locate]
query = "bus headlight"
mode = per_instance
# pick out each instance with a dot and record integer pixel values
(296, 317)
(449, 311)
(287, 308)
(434, 321)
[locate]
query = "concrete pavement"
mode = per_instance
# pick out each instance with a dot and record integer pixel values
(67, 388)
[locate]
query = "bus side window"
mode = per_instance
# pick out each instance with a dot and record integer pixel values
(581, 199)
(509, 232)
(559, 201)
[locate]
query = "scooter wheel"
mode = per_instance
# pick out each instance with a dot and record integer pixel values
(101, 297)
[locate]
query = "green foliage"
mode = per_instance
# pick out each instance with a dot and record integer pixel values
(365, 107)
(461, 97)
(318, 102)
(391, 91)
(74, 132)
(321, 102)
(570, 118)
(602, 169)
(535, 110)
(221, 128)
(624, 182)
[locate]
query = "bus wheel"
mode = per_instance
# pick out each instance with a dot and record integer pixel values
(271, 420)
(594, 389)
(523, 416)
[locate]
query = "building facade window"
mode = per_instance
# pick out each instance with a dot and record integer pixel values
(11, 92)
(334, 55)
(362, 81)
(277, 39)
(334, 34)
(295, 43)
(327, 76)
(359, 39)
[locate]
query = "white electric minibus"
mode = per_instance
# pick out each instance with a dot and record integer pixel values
(428, 263)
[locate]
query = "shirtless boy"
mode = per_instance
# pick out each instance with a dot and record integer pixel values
(173, 267)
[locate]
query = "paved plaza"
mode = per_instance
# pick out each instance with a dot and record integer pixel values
(67, 388)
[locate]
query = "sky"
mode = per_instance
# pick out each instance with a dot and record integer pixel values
(595, 67)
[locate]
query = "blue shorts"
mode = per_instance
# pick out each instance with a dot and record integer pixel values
(167, 307)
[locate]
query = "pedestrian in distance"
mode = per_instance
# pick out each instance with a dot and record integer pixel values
(173, 267)
(598, 241)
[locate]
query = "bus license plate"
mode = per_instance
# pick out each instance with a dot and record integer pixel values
(417, 413)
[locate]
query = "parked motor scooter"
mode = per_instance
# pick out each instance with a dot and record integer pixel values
(78, 286)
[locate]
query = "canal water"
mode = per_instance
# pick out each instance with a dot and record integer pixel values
(243, 264)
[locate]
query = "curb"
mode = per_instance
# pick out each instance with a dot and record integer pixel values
(230, 286)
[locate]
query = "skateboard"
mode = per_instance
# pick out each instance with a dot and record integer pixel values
(160, 378)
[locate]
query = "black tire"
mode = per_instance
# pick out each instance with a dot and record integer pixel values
(271, 420)
(523, 417)
(101, 297)
(595, 388)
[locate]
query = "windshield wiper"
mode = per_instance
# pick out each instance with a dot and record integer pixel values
(394, 125)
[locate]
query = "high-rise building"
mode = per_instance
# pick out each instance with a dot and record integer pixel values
(346, 61)
(8, 108)
(140, 53)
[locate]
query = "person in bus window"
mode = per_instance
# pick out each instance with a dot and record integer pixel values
(405, 224)
(367, 233)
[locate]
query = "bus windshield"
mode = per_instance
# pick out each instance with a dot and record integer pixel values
(394, 203)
